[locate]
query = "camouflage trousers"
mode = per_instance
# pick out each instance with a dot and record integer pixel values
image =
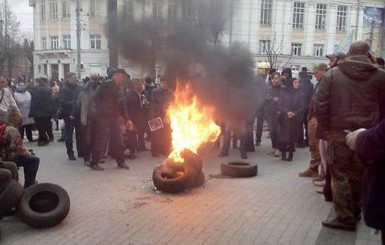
(8, 170)
(347, 173)
(315, 158)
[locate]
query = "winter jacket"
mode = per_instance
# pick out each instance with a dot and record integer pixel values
(6, 100)
(108, 101)
(350, 95)
(291, 100)
(271, 106)
(41, 102)
(159, 102)
(84, 108)
(66, 99)
(136, 109)
(306, 87)
(370, 147)
(23, 100)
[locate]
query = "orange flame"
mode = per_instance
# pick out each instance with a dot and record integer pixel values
(191, 123)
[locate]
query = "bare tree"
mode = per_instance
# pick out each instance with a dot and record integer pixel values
(9, 35)
(29, 47)
(273, 50)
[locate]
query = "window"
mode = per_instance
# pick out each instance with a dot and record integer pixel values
(296, 49)
(172, 9)
(318, 50)
(53, 9)
(128, 8)
(43, 43)
(66, 41)
(341, 17)
(320, 16)
(96, 42)
(94, 8)
(298, 14)
(66, 9)
(157, 8)
(266, 9)
(43, 11)
(54, 42)
(264, 46)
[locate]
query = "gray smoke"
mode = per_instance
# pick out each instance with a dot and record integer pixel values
(222, 77)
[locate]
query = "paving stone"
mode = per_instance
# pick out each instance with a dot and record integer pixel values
(121, 207)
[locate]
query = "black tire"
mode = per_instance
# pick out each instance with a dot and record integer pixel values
(10, 197)
(192, 160)
(239, 169)
(44, 205)
(198, 181)
(172, 183)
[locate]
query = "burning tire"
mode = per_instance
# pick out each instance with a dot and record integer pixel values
(10, 197)
(193, 160)
(44, 205)
(239, 169)
(171, 181)
(198, 181)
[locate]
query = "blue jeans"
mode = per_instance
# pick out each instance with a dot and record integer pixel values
(30, 165)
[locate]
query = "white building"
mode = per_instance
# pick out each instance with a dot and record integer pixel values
(301, 32)
(304, 31)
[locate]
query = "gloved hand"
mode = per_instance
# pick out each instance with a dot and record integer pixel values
(351, 138)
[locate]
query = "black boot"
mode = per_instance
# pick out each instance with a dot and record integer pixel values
(283, 156)
(243, 155)
(290, 157)
(235, 144)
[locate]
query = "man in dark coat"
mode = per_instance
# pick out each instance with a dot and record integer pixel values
(370, 148)
(109, 108)
(271, 110)
(83, 111)
(66, 101)
(161, 138)
(349, 97)
(315, 157)
(291, 106)
(137, 107)
(41, 110)
(307, 87)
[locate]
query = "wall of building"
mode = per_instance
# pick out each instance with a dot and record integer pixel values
(243, 27)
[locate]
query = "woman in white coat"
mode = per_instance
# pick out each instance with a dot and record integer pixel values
(6, 98)
(23, 100)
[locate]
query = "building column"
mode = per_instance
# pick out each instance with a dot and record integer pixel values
(49, 70)
(255, 28)
(61, 71)
(310, 30)
(287, 27)
(331, 29)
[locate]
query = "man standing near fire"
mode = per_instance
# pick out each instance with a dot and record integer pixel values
(161, 138)
(109, 106)
(350, 96)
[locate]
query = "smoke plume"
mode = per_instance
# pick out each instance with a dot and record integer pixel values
(222, 77)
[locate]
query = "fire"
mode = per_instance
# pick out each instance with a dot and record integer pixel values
(191, 122)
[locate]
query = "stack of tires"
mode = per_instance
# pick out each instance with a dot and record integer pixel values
(10, 196)
(40, 206)
(176, 177)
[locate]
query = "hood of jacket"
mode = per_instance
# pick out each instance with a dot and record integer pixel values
(358, 67)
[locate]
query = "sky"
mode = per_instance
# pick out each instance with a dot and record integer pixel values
(24, 14)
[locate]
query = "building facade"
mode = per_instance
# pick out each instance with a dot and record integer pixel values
(299, 33)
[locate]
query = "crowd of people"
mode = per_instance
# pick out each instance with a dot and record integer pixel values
(110, 114)
(107, 115)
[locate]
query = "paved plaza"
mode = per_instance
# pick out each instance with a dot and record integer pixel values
(116, 206)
